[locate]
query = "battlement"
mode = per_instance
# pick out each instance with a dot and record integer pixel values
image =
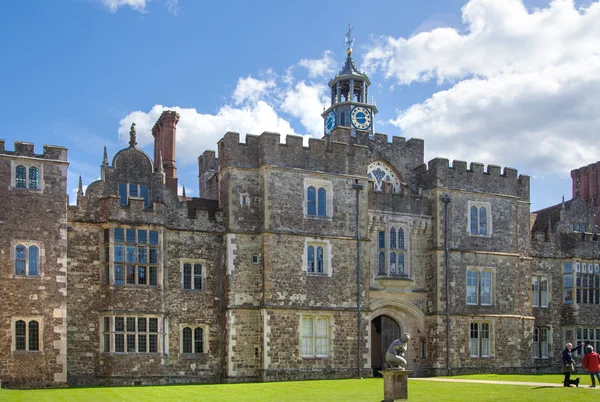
(439, 173)
(267, 149)
(208, 161)
(51, 152)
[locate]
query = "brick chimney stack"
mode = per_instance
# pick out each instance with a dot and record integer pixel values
(586, 185)
(164, 132)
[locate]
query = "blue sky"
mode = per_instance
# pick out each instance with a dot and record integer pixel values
(512, 83)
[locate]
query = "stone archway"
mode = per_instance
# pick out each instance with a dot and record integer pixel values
(384, 330)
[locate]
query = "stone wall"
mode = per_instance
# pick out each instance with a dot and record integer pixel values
(34, 217)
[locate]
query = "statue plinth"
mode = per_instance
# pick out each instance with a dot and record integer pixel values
(395, 384)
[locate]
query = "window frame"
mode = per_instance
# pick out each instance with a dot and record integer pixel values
(28, 245)
(141, 250)
(478, 341)
(126, 333)
(537, 291)
(28, 165)
(325, 245)
(138, 196)
(476, 221)
(193, 263)
(479, 286)
(538, 343)
(205, 340)
(316, 335)
(392, 241)
(322, 209)
(27, 337)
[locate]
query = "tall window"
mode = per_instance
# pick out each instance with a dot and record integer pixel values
(26, 335)
(395, 251)
(192, 340)
(316, 201)
(568, 283)
(587, 283)
(133, 334)
(192, 276)
(540, 342)
(315, 337)
(479, 286)
(318, 198)
(135, 256)
(539, 291)
(342, 118)
(479, 218)
(27, 177)
(479, 343)
(315, 259)
(127, 190)
(27, 259)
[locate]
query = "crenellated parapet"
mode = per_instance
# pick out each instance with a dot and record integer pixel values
(494, 180)
(585, 245)
(26, 149)
(267, 149)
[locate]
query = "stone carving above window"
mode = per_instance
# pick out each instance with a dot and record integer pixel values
(381, 173)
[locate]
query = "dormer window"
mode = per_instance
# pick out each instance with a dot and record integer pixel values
(127, 190)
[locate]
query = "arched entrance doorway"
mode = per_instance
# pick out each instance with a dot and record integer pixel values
(384, 331)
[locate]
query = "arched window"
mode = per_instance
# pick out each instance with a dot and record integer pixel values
(322, 195)
(392, 263)
(34, 335)
(34, 178)
(311, 259)
(198, 341)
(320, 259)
(382, 263)
(392, 238)
(342, 118)
(33, 260)
(482, 221)
(401, 263)
(20, 335)
(400, 238)
(20, 259)
(382, 239)
(21, 177)
(311, 197)
(187, 340)
(474, 223)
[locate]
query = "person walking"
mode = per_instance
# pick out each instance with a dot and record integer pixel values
(591, 362)
(569, 364)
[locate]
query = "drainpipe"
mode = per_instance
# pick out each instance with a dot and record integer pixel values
(446, 201)
(358, 187)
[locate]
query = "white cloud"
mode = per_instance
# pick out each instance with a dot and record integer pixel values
(252, 90)
(306, 102)
(114, 5)
(319, 67)
(500, 37)
(197, 132)
(173, 6)
(526, 85)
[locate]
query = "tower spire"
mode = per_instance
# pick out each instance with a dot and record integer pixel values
(105, 160)
(80, 188)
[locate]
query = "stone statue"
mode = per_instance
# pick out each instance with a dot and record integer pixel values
(395, 355)
(132, 136)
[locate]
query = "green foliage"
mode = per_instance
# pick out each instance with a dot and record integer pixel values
(367, 390)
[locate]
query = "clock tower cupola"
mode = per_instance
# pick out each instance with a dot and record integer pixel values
(349, 94)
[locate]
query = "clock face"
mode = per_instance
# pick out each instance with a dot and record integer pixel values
(329, 122)
(361, 117)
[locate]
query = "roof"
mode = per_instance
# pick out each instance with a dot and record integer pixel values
(349, 70)
(548, 217)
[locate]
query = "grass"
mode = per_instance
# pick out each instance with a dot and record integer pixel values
(368, 390)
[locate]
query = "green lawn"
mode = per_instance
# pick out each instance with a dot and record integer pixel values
(370, 390)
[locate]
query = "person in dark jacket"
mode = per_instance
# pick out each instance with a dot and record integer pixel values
(569, 364)
(591, 362)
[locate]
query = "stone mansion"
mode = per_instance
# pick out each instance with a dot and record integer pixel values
(297, 262)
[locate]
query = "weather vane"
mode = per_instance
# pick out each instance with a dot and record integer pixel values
(349, 40)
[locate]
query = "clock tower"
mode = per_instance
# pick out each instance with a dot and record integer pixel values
(349, 93)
